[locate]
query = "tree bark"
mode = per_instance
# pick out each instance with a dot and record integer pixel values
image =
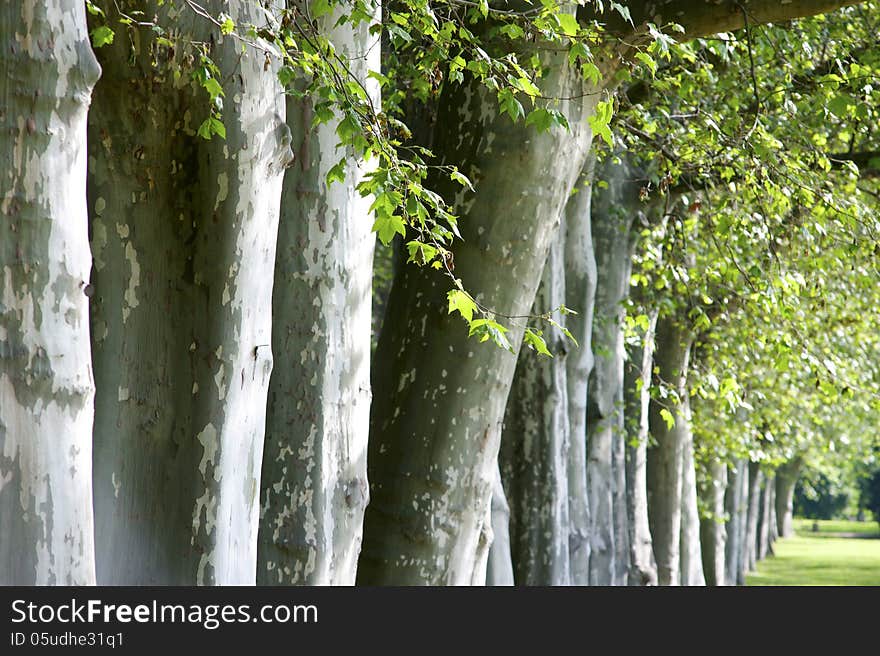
(665, 459)
(499, 569)
(774, 527)
(183, 234)
(764, 545)
(435, 429)
(733, 504)
(580, 292)
(713, 529)
(706, 17)
(534, 447)
(614, 209)
(786, 477)
(756, 477)
(691, 555)
(314, 476)
(637, 397)
(47, 74)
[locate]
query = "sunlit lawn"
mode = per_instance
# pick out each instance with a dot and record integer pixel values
(823, 558)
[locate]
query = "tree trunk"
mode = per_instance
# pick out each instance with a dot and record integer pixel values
(46, 384)
(742, 525)
(665, 459)
(691, 556)
(756, 477)
(733, 504)
(534, 448)
(435, 428)
(614, 209)
(580, 292)
(786, 477)
(713, 530)
(499, 569)
(314, 476)
(764, 546)
(183, 234)
(772, 522)
(637, 396)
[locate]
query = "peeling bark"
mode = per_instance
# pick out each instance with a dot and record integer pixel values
(713, 529)
(614, 209)
(691, 556)
(756, 477)
(314, 477)
(736, 507)
(665, 459)
(764, 540)
(534, 447)
(786, 477)
(47, 74)
(499, 569)
(436, 424)
(637, 397)
(183, 234)
(580, 292)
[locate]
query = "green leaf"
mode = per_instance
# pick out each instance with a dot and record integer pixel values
(461, 302)
(536, 342)
(388, 225)
(101, 36)
(336, 174)
(668, 418)
(540, 118)
(569, 24)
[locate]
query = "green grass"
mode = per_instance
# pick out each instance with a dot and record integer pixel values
(823, 558)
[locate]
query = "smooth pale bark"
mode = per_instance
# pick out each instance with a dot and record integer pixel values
(786, 477)
(314, 476)
(774, 527)
(713, 528)
(764, 546)
(183, 235)
(691, 555)
(733, 508)
(499, 568)
(613, 211)
(637, 398)
(580, 292)
(440, 397)
(534, 447)
(756, 478)
(742, 523)
(664, 478)
(47, 72)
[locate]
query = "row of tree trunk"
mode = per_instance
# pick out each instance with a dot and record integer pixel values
(199, 400)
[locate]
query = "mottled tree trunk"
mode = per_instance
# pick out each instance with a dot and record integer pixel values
(637, 397)
(534, 447)
(764, 544)
(733, 504)
(665, 459)
(756, 477)
(736, 503)
(183, 234)
(691, 555)
(580, 292)
(772, 522)
(436, 419)
(713, 529)
(499, 568)
(314, 477)
(786, 477)
(613, 210)
(47, 71)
